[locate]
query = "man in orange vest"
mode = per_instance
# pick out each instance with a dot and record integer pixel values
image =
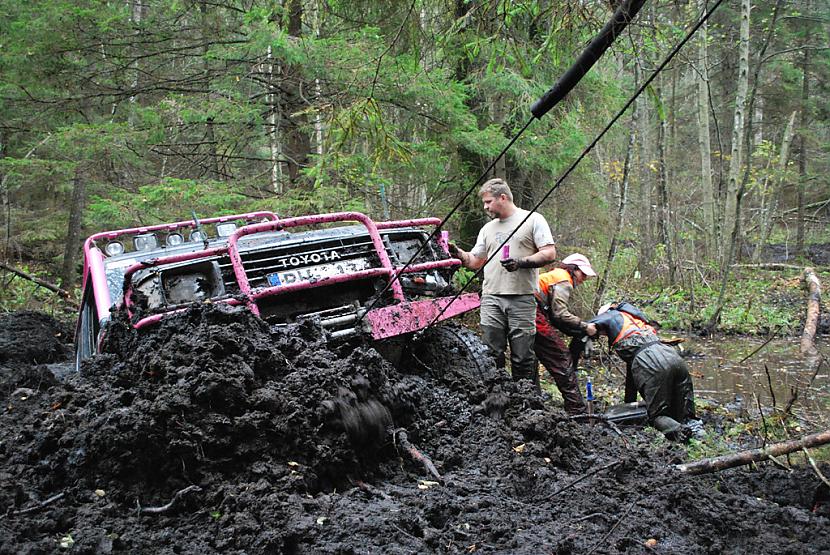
(554, 320)
(653, 369)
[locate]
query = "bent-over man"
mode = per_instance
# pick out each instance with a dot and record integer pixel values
(653, 369)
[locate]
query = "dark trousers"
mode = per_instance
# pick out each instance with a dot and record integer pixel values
(508, 319)
(662, 378)
(553, 353)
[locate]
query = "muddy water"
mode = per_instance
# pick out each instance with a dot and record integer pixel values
(721, 374)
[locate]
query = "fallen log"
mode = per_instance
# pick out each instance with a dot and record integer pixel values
(808, 336)
(769, 266)
(34, 279)
(705, 466)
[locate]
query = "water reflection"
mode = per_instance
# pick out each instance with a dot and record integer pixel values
(720, 375)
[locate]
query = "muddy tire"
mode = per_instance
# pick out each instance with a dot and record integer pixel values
(453, 352)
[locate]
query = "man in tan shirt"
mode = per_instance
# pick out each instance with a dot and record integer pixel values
(508, 307)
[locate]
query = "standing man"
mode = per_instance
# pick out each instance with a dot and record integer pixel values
(508, 307)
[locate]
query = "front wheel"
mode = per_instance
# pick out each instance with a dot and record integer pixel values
(453, 352)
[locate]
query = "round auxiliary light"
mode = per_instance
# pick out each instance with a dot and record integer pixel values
(197, 236)
(174, 240)
(145, 242)
(114, 248)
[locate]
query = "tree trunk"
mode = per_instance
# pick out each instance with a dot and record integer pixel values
(663, 215)
(623, 196)
(732, 212)
(210, 133)
(770, 207)
(704, 143)
(808, 336)
(5, 207)
(297, 144)
(73, 231)
(731, 217)
(274, 138)
(802, 131)
(644, 220)
(706, 466)
(137, 9)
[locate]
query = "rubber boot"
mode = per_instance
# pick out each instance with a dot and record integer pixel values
(522, 360)
(571, 394)
(671, 428)
(496, 340)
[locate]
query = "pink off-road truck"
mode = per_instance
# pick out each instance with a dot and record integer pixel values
(343, 269)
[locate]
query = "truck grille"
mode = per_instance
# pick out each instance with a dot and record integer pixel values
(262, 262)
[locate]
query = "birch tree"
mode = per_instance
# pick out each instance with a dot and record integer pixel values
(771, 191)
(730, 214)
(733, 199)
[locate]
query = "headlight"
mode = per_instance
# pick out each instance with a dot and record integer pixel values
(174, 240)
(225, 230)
(145, 242)
(197, 236)
(114, 248)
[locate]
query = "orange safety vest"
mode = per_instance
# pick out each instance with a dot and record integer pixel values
(631, 325)
(552, 278)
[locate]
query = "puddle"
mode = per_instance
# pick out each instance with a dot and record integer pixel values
(777, 369)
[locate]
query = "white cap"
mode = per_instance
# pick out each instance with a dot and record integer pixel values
(580, 262)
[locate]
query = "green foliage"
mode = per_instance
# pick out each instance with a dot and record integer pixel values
(757, 302)
(17, 293)
(462, 277)
(380, 107)
(167, 201)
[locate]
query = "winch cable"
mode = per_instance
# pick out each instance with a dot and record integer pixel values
(623, 15)
(585, 152)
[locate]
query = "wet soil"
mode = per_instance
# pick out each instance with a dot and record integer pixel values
(214, 433)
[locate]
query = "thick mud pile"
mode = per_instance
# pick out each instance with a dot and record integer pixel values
(213, 433)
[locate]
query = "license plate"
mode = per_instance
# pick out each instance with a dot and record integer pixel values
(318, 272)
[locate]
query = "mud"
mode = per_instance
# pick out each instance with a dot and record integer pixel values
(213, 433)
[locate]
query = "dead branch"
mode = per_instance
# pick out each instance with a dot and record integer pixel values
(764, 344)
(602, 419)
(401, 437)
(815, 467)
(771, 390)
(165, 508)
(808, 337)
(371, 490)
(584, 476)
(34, 279)
(588, 517)
(705, 466)
(39, 506)
(611, 531)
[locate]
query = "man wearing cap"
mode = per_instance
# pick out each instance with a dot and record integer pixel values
(507, 303)
(554, 320)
